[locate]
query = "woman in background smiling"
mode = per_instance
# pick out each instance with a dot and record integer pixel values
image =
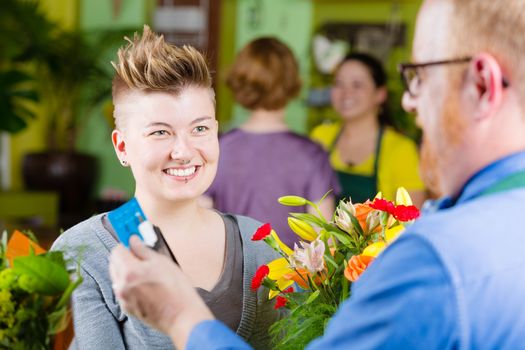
(367, 154)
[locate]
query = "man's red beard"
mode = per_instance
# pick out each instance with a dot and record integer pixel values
(438, 155)
(429, 168)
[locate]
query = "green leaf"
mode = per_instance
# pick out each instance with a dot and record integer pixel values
(345, 288)
(11, 122)
(313, 296)
(309, 218)
(57, 257)
(325, 195)
(3, 249)
(342, 237)
(57, 320)
(49, 277)
(332, 262)
(356, 224)
(70, 289)
(27, 94)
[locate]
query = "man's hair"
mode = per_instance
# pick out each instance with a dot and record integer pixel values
(148, 63)
(265, 75)
(495, 27)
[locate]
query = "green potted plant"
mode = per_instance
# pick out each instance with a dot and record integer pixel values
(71, 81)
(18, 92)
(24, 34)
(68, 74)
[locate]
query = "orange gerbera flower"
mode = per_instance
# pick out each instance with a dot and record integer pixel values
(356, 265)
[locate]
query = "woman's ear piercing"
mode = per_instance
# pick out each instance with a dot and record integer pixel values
(124, 163)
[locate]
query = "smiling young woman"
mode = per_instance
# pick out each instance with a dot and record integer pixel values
(367, 154)
(166, 133)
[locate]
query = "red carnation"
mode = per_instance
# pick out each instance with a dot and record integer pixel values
(280, 302)
(288, 290)
(383, 205)
(262, 232)
(406, 212)
(259, 276)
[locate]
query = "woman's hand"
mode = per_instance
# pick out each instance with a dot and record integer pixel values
(151, 287)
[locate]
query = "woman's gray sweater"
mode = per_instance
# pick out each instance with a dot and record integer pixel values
(99, 321)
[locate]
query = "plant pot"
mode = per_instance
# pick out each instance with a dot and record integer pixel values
(72, 175)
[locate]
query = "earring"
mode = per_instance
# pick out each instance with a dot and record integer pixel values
(124, 162)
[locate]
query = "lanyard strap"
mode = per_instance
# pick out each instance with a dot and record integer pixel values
(513, 181)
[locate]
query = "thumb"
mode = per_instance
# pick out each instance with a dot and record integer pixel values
(141, 251)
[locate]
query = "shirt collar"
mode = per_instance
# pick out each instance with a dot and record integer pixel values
(480, 181)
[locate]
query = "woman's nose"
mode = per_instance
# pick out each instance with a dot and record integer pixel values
(181, 148)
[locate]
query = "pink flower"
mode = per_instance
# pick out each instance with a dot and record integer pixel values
(259, 276)
(280, 302)
(262, 232)
(406, 212)
(400, 212)
(383, 205)
(288, 290)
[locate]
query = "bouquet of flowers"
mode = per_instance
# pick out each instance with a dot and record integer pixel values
(314, 278)
(35, 287)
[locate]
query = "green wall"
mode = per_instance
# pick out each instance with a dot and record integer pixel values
(225, 56)
(289, 21)
(376, 11)
(95, 137)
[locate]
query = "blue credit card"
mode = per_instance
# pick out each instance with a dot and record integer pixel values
(126, 220)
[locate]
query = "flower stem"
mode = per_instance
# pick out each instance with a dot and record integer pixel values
(316, 207)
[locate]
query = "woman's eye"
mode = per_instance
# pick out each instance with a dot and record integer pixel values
(159, 133)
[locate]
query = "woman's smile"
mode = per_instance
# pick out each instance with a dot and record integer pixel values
(182, 173)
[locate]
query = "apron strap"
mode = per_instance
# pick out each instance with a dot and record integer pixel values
(360, 187)
(510, 182)
(377, 150)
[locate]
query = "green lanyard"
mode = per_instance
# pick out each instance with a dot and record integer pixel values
(510, 182)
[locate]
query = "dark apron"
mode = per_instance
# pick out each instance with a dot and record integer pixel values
(359, 187)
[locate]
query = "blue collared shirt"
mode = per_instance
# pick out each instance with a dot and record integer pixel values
(454, 279)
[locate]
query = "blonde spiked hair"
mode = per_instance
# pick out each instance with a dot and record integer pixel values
(149, 63)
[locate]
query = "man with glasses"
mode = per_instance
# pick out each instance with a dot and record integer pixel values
(456, 278)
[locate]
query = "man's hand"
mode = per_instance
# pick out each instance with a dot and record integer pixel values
(151, 287)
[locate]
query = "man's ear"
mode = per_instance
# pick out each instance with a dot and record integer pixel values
(119, 144)
(486, 74)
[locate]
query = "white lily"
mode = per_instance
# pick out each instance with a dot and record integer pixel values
(309, 257)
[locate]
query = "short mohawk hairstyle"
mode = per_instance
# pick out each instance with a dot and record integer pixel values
(149, 63)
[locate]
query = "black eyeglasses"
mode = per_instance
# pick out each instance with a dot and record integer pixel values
(410, 73)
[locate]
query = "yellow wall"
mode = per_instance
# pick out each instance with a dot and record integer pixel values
(65, 12)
